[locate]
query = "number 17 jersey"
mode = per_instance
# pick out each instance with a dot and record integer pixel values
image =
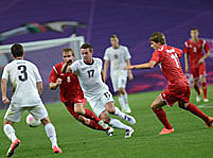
(90, 78)
(24, 76)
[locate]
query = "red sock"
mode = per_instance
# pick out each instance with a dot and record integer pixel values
(90, 114)
(196, 111)
(94, 125)
(204, 87)
(197, 88)
(162, 117)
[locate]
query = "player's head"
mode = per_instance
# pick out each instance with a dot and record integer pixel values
(194, 33)
(17, 51)
(114, 41)
(68, 55)
(156, 40)
(87, 52)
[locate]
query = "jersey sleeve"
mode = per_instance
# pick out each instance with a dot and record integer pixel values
(5, 73)
(37, 74)
(186, 47)
(53, 75)
(106, 55)
(156, 57)
(206, 46)
(127, 54)
(179, 52)
(74, 66)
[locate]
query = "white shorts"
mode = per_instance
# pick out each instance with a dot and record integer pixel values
(98, 105)
(119, 81)
(14, 113)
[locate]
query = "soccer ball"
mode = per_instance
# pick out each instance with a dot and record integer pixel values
(31, 121)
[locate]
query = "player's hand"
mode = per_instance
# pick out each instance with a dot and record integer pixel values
(129, 67)
(5, 100)
(65, 68)
(130, 76)
(201, 61)
(59, 81)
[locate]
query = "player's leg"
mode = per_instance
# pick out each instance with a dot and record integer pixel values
(39, 112)
(195, 74)
(85, 121)
(12, 115)
(156, 106)
(196, 111)
(202, 72)
(123, 98)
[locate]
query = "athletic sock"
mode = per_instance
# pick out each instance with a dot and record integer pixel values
(50, 131)
(196, 111)
(90, 114)
(121, 100)
(119, 113)
(160, 113)
(197, 88)
(10, 132)
(118, 124)
(204, 87)
(94, 125)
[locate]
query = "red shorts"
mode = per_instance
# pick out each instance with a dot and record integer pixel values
(70, 105)
(170, 95)
(198, 71)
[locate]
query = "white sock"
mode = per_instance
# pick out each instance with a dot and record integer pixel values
(10, 132)
(122, 102)
(118, 124)
(119, 113)
(50, 131)
(126, 100)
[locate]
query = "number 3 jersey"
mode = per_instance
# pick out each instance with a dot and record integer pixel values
(24, 76)
(167, 58)
(90, 78)
(70, 87)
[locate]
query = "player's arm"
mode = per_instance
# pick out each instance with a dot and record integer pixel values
(54, 81)
(148, 65)
(40, 87)
(207, 50)
(104, 72)
(130, 76)
(5, 100)
(186, 62)
(54, 85)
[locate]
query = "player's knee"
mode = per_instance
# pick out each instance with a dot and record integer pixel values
(83, 120)
(110, 108)
(122, 91)
(78, 109)
(183, 105)
(104, 116)
(7, 122)
(154, 107)
(45, 121)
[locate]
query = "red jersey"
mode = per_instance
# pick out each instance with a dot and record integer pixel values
(70, 86)
(167, 58)
(195, 51)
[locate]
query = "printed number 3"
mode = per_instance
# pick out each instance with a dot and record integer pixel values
(23, 76)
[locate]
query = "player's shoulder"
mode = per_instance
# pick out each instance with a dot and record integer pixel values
(123, 47)
(58, 65)
(109, 49)
(97, 60)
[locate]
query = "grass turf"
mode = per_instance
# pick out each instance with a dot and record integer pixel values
(191, 138)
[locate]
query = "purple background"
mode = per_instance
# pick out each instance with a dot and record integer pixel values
(132, 20)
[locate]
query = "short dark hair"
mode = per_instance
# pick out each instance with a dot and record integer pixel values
(158, 37)
(194, 29)
(87, 45)
(69, 50)
(17, 50)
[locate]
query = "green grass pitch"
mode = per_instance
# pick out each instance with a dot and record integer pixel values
(191, 138)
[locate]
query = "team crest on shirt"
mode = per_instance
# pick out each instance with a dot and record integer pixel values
(116, 56)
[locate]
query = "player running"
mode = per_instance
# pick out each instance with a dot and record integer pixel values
(96, 92)
(193, 49)
(178, 87)
(72, 95)
(119, 57)
(27, 86)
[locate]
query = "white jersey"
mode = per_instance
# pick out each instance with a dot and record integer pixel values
(117, 58)
(24, 77)
(90, 78)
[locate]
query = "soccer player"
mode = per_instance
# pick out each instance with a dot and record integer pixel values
(27, 86)
(178, 87)
(89, 71)
(72, 95)
(194, 50)
(119, 57)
